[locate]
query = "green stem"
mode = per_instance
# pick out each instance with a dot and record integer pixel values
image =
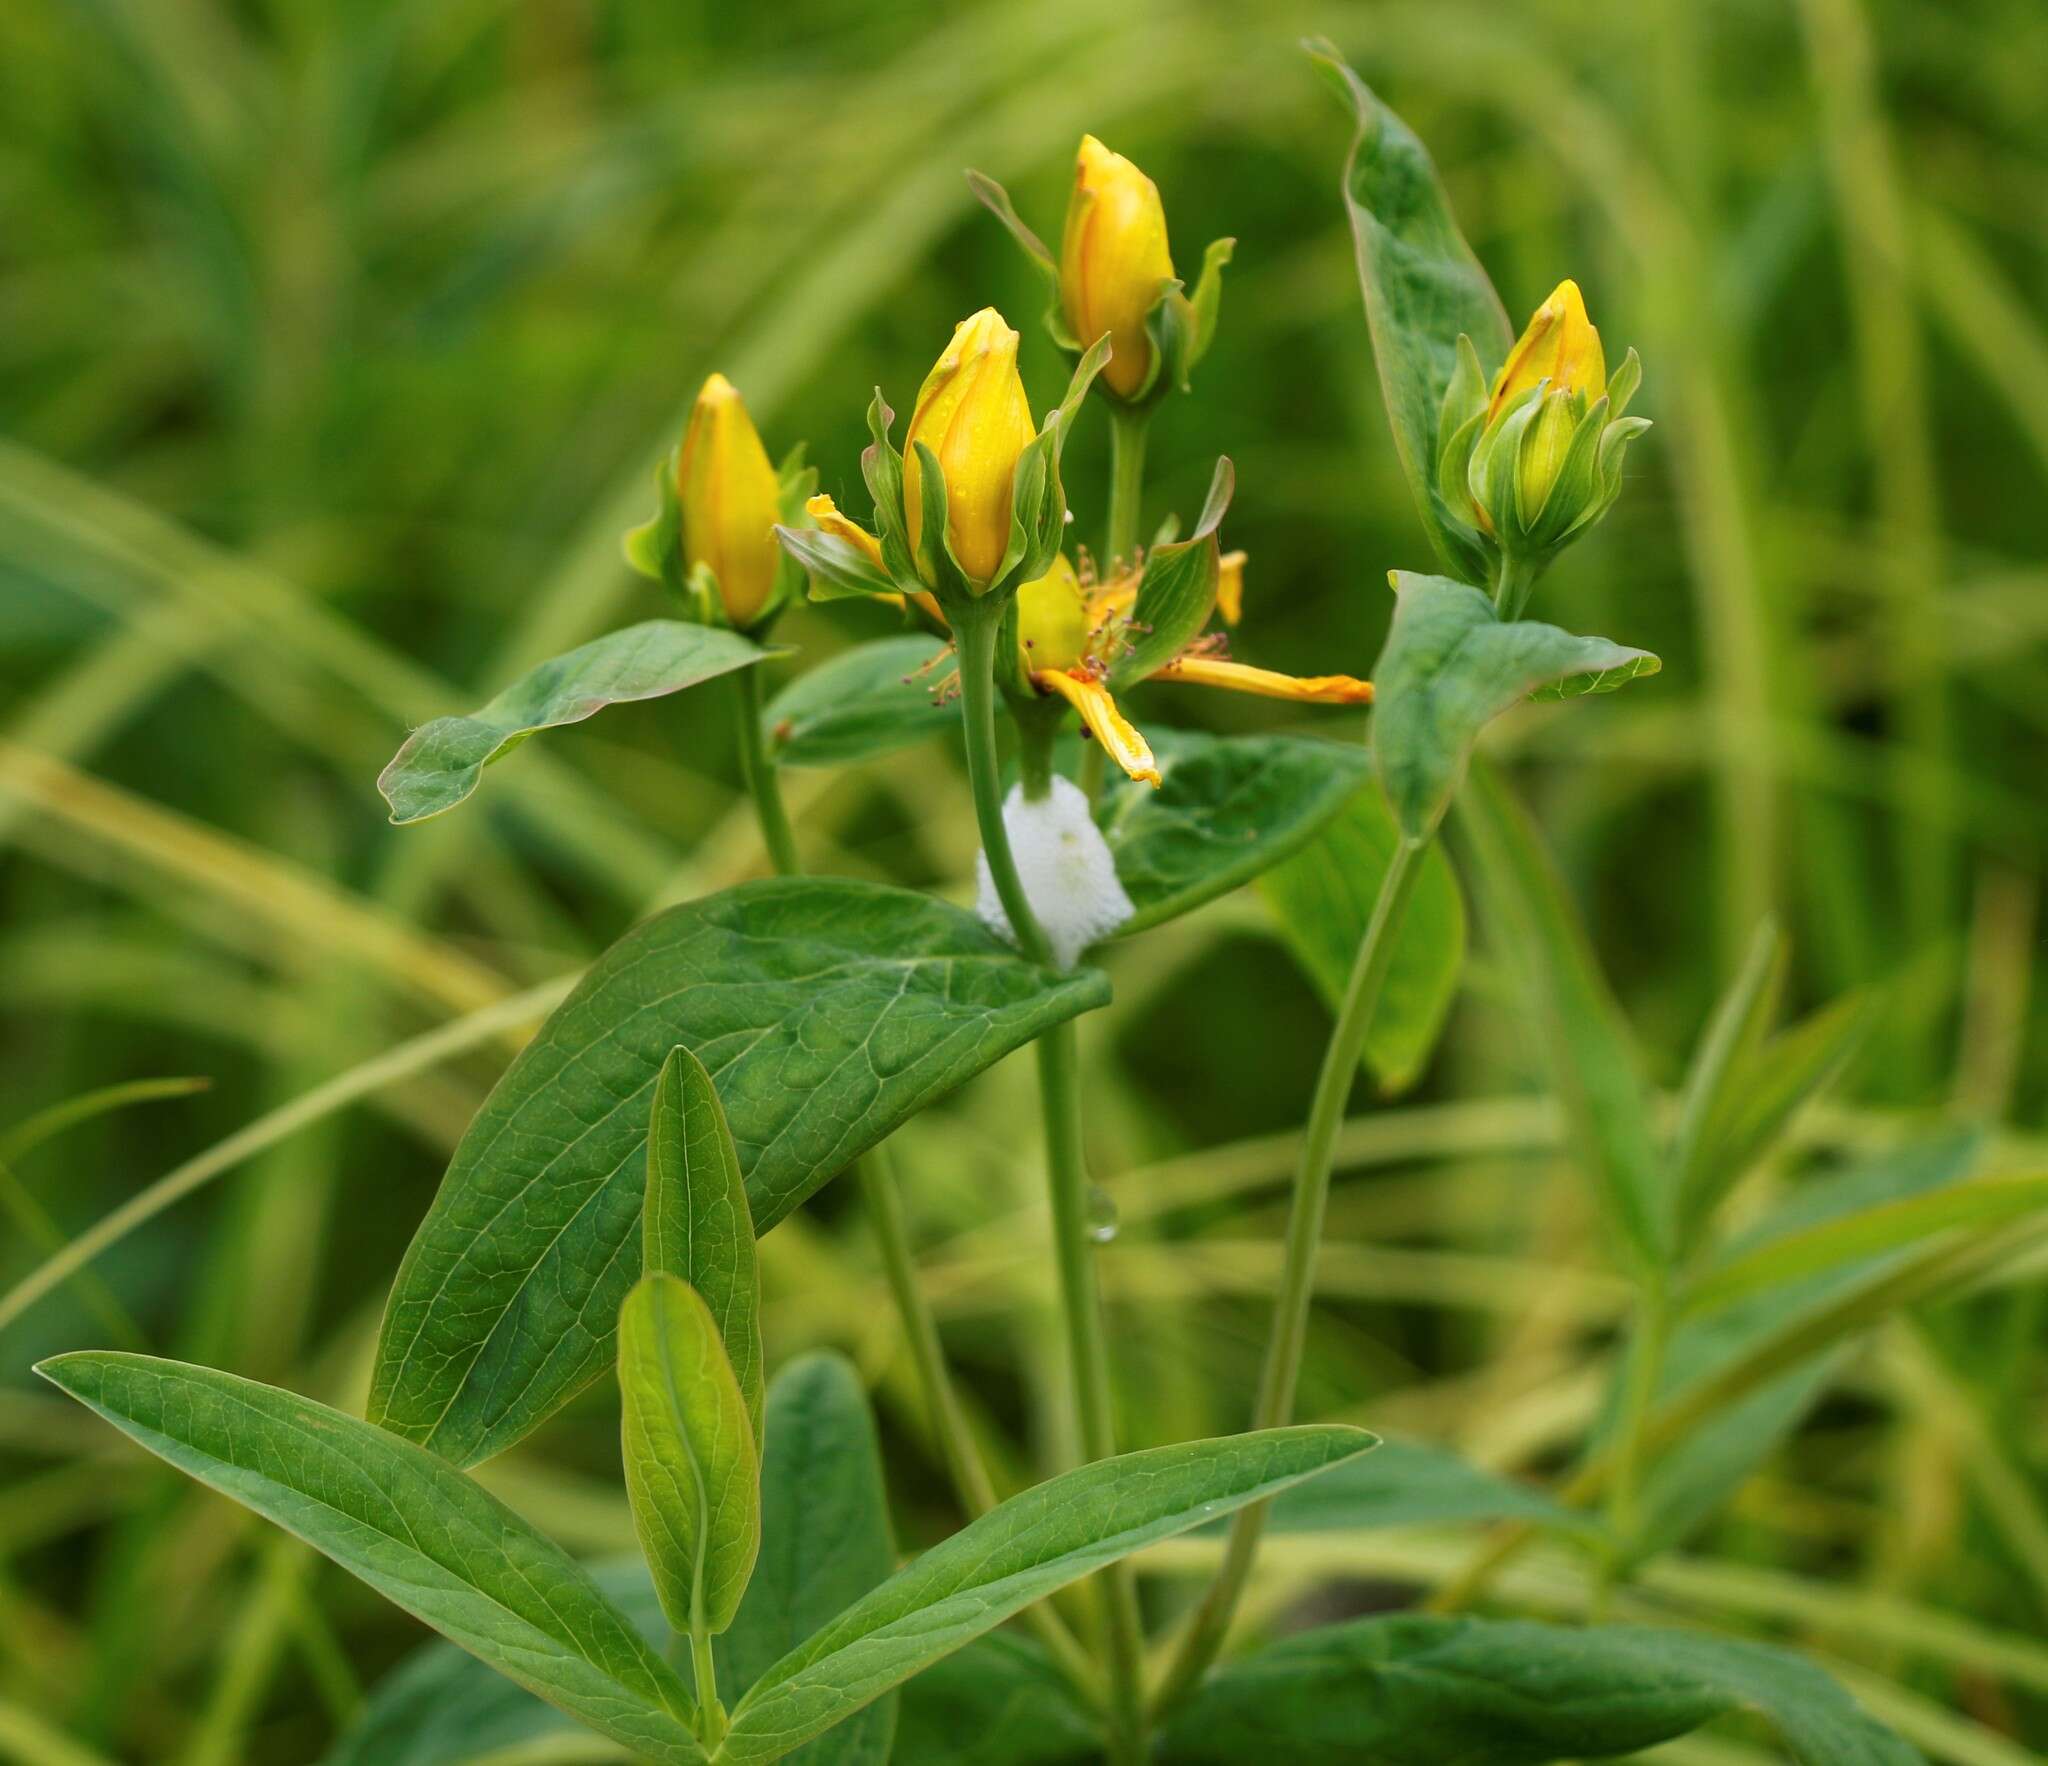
(1282, 1369)
(761, 780)
(976, 628)
(710, 1713)
(1059, 1091)
(1126, 481)
(1511, 593)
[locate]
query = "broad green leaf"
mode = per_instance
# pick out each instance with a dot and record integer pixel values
(442, 1707)
(411, 1526)
(871, 700)
(441, 762)
(1020, 1552)
(826, 1011)
(1228, 807)
(1413, 1484)
(1418, 1691)
(1791, 1336)
(1451, 665)
(826, 1542)
(693, 1474)
(695, 1223)
(1321, 899)
(1423, 288)
(998, 1702)
(1576, 1023)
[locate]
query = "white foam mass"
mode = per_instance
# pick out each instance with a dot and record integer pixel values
(1064, 864)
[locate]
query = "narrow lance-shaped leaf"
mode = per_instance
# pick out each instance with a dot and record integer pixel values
(1510, 1693)
(1423, 288)
(1451, 665)
(1590, 1051)
(409, 1525)
(825, 1542)
(441, 762)
(1322, 899)
(693, 1474)
(1739, 1024)
(826, 1011)
(696, 1223)
(1018, 1553)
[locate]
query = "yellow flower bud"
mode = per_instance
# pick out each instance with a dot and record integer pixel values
(1559, 345)
(1112, 259)
(1052, 619)
(731, 501)
(973, 415)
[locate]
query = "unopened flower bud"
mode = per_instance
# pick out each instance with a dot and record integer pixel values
(972, 414)
(1113, 258)
(730, 501)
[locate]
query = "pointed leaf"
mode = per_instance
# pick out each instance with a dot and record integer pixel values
(1321, 900)
(1228, 808)
(826, 1011)
(1590, 1049)
(693, 1474)
(826, 1541)
(1414, 1484)
(1432, 1691)
(1739, 1024)
(441, 762)
(1177, 592)
(1018, 1553)
(868, 701)
(696, 1222)
(409, 1525)
(1423, 288)
(1451, 665)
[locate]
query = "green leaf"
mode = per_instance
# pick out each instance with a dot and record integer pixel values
(442, 1707)
(1228, 808)
(1451, 665)
(826, 1542)
(826, 1011)
(416, 1530)
(1020, 1552)
(839, 570)
(441, 762)
(1738, 1026)
(1419, 1691)
(1423, 288)
(867, 701)
(695, 1223)
(1177, 592)
(1577, 1025)
(1321, 899)
(1753, 1367)
(693, 1473)
(1414, 1484)
(998, 1702)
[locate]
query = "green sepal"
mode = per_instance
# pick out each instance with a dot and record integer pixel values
(1177, 593)
(942, 573)
(882, 467)
(702, 603)
(838, 569)
(1181, 327)
(993, 197)
(1038, 501)
(795, 482)
(655, 547)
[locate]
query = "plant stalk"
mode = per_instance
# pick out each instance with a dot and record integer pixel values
(1282, 1370)
(1127, 430)
(976, 631)
(710, 1713)
(760, 776)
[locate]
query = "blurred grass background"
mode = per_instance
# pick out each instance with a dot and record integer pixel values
(337, 342)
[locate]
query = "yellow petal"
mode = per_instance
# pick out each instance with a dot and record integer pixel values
(1119, 738)
(826, 514)
(731, 500)
(1113, 256)
(1052, 618)
(973, 415)
(1241, 677)
(1559, 345)
(1230, 587)
(1117, 596)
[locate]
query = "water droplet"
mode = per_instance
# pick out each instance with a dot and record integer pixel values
(1102, 1221)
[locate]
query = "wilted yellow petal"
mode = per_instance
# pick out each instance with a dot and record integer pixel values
(1241, 677)
(1113, 257)
(973, 415)
(731, 500)
(1230, 587)
(1559, 345)
(1119, 738)
(1109, 600)
(826, 514)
